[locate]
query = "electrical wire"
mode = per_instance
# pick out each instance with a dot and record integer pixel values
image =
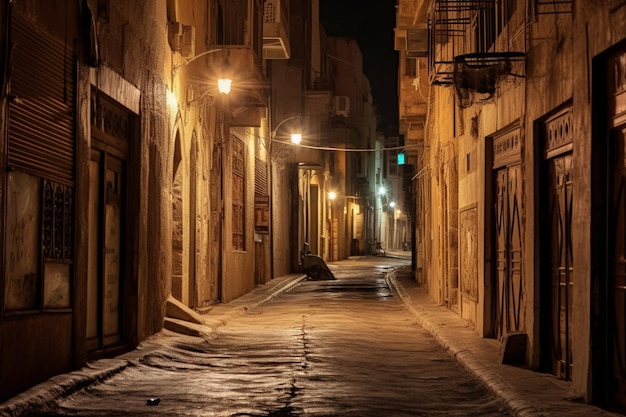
(329, 148)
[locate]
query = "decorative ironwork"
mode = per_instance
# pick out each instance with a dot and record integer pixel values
(449, 24)
(68, 216)
(464, 39)
(58, 234)
(48, 204)
(58, 230)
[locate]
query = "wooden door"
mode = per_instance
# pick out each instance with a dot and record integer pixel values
(559, 264)
(508, 313)
(106, 250)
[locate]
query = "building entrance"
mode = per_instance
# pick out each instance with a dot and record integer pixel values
(557, 276)
(107, 223)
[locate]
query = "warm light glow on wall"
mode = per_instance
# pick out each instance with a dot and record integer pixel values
(172, 103)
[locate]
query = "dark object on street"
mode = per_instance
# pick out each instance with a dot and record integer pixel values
(513, 348)
(153, 401)
(314, 266)
(376, 248)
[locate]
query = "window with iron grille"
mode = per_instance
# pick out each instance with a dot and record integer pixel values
(39, 245)
(238, 193)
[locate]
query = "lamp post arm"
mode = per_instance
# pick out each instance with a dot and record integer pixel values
(200, 55)
(281, 123)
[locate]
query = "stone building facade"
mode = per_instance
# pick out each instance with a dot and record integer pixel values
(129, 182)
(514, 110)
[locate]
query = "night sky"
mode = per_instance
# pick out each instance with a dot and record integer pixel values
(371, 24)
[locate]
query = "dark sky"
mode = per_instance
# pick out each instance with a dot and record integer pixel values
(371, 24)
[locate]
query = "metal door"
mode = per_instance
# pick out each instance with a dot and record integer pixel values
(559, 264)
(508, 313)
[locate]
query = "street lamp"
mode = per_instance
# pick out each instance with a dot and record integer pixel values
(224, 82)
(296, 135)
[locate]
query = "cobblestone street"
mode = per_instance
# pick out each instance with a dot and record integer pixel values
(323, 348)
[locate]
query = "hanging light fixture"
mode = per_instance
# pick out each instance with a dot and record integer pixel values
(224, 82)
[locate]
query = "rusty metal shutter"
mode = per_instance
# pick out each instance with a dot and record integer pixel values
(42, 108)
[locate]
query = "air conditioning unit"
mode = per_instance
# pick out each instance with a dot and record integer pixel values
(341, 106)
(417, 43)
(182, 39)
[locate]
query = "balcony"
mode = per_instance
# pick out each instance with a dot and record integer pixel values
(276, 30)
(473, 47)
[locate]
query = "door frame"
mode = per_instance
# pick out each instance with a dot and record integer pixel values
(548, 149)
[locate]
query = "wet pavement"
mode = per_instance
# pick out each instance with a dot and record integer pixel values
(346, 347)
(371, 343)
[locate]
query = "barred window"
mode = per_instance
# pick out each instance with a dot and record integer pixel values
(238, 194)
(39, 243)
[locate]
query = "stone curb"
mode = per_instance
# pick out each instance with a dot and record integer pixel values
(279, 289)
(493, 382)
(62, 386)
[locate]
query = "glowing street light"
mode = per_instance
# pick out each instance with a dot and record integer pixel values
(332, 195)
(224, 82)
(296, 138)
(296, 135)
